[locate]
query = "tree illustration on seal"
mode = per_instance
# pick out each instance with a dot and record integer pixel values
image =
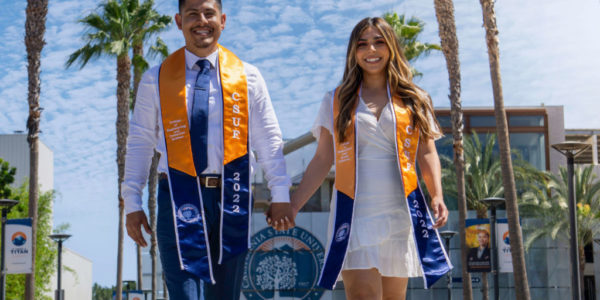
(275, 272)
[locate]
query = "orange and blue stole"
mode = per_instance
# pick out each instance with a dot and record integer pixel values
(184, 182)
(432, 255)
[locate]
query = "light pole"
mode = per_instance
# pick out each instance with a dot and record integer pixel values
(59, 238)
(447, 235)
(570, 150)
(493, 202)
(6, 205)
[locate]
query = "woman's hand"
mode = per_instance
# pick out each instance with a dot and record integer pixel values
(440, 212)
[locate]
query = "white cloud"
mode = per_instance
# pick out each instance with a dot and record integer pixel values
(295, 15)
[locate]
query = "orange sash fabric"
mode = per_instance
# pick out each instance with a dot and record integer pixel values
(407, 141)
(175, 116)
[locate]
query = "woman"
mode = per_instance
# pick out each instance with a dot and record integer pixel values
(374, 125)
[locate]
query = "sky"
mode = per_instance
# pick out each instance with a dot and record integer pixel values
(548, 55)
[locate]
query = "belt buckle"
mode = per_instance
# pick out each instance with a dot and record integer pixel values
(206, 180)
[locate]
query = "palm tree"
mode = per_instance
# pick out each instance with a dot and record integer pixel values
(112, 32)
(152, 181)
(407, 32)
(139, 67)
(549, 204)
(161, 50)
(35, 27)
(444, 10)
(155, 23)
(510, 191)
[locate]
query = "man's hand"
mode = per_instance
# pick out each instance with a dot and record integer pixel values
(133, 223)
(440, 212)
(280, 216)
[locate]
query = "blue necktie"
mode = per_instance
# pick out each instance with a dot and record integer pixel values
(199, 126)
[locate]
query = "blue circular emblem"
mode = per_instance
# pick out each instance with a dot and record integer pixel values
(282, 265)
(19, 238)
(188, 213)
(342, 232)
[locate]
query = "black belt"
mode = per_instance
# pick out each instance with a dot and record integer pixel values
(207, 181)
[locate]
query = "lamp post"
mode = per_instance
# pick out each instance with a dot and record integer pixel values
(59, 238)
(570, 150)
(6, 205)
(447, 235)
(493, 202)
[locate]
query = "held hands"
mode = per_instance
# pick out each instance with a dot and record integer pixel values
(133, 223)
(280, 216)
(440, 212)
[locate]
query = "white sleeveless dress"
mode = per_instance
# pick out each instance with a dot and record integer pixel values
(381, 236)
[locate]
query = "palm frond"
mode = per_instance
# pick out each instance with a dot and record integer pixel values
(83, 55)
(159, 49)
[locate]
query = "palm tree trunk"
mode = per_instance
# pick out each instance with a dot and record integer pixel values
(165, 290)
(138, 49)
(35, 28)
(123, 82)
(152, 181)
(444, 10)
(512, 211)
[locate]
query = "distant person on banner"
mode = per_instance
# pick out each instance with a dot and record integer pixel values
(207, 112)
(478, 258)
(376, 126)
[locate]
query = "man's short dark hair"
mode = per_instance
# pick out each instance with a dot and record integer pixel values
(182, 2)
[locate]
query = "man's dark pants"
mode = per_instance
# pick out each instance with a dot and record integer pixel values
(181, 284)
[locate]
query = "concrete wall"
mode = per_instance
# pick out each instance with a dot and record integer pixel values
(15, 149)
(556, 134)
(76, 276)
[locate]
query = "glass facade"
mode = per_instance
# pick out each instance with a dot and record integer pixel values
(528, 133)
(482, 121)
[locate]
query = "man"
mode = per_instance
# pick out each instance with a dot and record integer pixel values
(478, 258)
(205, 110)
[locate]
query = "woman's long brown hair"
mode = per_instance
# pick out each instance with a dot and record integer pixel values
(399, 78)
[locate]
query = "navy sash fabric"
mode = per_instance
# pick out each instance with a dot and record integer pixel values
(236, 208)
(432, 256)
(190, 224)
(339, 243)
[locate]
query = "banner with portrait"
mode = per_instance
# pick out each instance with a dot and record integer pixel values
(18, 246)
(478, 242)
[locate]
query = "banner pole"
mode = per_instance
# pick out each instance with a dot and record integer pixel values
(2, 271)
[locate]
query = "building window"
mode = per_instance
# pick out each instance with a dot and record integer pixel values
(444, 121)
(531, 147)
(526, 121)
(482, 121)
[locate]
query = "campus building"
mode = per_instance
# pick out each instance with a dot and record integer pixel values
(77, 270)
(532, 131)
(14, 149)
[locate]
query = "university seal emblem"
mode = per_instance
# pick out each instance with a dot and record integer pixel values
(282, 265)
(188, 213)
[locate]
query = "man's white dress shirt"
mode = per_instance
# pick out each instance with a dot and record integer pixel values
(146, 131)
